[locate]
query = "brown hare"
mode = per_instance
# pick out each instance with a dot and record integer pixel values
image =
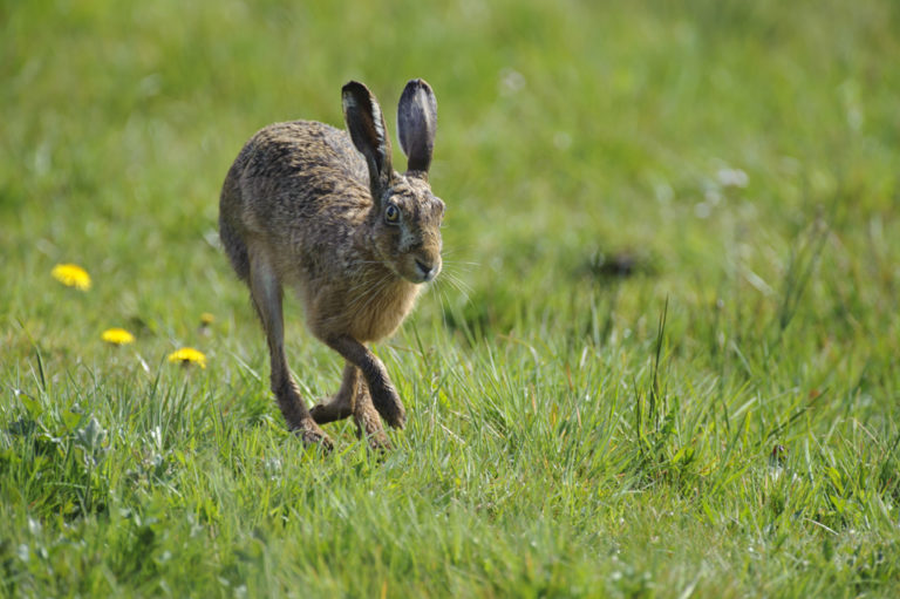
(308, 205)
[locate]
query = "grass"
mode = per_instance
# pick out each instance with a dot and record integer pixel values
(662, 360)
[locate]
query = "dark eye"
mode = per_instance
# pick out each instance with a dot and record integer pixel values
(392, 214)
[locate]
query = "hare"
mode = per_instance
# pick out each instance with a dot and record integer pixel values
(307, 205)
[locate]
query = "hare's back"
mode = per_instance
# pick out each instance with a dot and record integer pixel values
(306, 149)
(290, 173)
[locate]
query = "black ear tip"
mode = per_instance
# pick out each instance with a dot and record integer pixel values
(354, 87)
(417, 84)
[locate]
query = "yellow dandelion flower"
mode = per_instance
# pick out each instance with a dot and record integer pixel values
(72, 275)
(117, 336)
(207, 319)
(188, 355)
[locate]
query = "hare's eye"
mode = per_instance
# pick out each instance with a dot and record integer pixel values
(392, 214)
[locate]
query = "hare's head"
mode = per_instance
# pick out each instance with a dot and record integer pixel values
(406, 216)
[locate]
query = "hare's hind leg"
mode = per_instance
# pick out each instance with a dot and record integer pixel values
(266, 292)
(342, 403)
(353, 399)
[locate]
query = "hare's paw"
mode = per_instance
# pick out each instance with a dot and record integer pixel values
(368, 427)
(330, 409)
(378, 441)
(311, 435)
(388, 404)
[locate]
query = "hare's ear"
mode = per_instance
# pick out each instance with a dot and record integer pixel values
(417, 123)
(366, 126)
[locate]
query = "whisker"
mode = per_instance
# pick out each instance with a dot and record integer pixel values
(374, 292)
(435, 291)
(461, 263)
(460, 291)
(459, 284)
(364, 291)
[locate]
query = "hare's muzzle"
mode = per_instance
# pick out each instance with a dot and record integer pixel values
(427, 269)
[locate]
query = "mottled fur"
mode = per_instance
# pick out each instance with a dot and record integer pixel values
(309, 206)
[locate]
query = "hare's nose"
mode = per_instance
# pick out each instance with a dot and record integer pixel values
(427, 270)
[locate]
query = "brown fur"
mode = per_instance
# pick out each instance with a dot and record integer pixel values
(308, 205)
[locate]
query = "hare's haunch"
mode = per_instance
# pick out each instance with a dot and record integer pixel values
(308, 205)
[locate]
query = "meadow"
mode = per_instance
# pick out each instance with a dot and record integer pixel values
(662, 360)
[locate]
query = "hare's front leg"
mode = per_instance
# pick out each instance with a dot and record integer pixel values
(266, 292)
(368, 422)
(382, 391)
(353, 399)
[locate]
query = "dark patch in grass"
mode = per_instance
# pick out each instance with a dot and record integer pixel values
(488, 309)
(616, 264)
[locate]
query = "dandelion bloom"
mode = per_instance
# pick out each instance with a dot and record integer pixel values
(72, 275)
(207, 319)
(117, 336)
(188, 355)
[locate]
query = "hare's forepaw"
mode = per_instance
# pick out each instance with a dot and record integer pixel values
(368, 427)
(311, 435)
(388, 404)
(379, 442)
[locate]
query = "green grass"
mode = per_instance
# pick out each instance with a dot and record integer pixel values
(723, 422)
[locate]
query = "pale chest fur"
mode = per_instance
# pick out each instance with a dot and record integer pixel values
(378, 315)
(369, 311)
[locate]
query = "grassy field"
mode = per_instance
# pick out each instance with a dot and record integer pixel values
(663, 359)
